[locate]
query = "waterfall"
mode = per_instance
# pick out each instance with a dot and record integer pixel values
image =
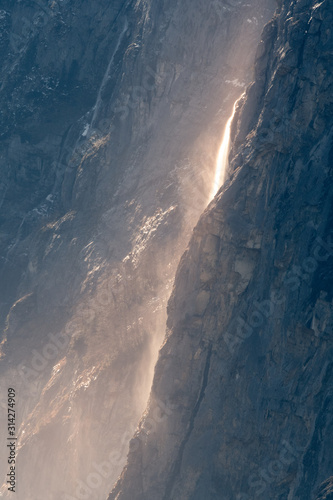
(105, 78)
(222, 161)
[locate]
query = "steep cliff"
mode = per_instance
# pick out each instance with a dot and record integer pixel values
(246, 366)
(111, 118)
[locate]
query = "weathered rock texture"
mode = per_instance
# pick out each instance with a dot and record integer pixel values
(111, 117)
(326, 490)
(247, 363)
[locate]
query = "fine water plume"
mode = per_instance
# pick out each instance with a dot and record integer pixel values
(100, 266)
(222, 161)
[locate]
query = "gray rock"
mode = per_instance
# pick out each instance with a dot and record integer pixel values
(112, 116)
(251, 382)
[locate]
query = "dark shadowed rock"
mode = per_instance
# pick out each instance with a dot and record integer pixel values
(249, 372)
(326, 490)
(112, 114)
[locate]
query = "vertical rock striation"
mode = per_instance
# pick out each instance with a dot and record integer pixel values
(247, 363)
(111, 118)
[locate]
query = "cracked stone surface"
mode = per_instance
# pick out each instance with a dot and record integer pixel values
(249, 373)
(111, 117)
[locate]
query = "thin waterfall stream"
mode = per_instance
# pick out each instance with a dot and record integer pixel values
(222, 161)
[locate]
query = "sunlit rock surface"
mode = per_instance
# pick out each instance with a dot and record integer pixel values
(326, 490)
(246, 366)
(112, 115)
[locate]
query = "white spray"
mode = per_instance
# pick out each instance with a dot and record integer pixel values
(222, 161)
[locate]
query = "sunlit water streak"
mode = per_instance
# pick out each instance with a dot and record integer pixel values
(106, 78)
(222, 161)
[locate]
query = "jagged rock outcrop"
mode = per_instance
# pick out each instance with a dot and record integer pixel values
(112, 115)
(326, 490)
(246, 366)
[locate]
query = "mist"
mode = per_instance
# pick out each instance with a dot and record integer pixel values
(129, 163)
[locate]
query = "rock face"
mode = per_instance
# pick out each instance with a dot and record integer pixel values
(246, 369)
(326, 490)
(111, 118)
